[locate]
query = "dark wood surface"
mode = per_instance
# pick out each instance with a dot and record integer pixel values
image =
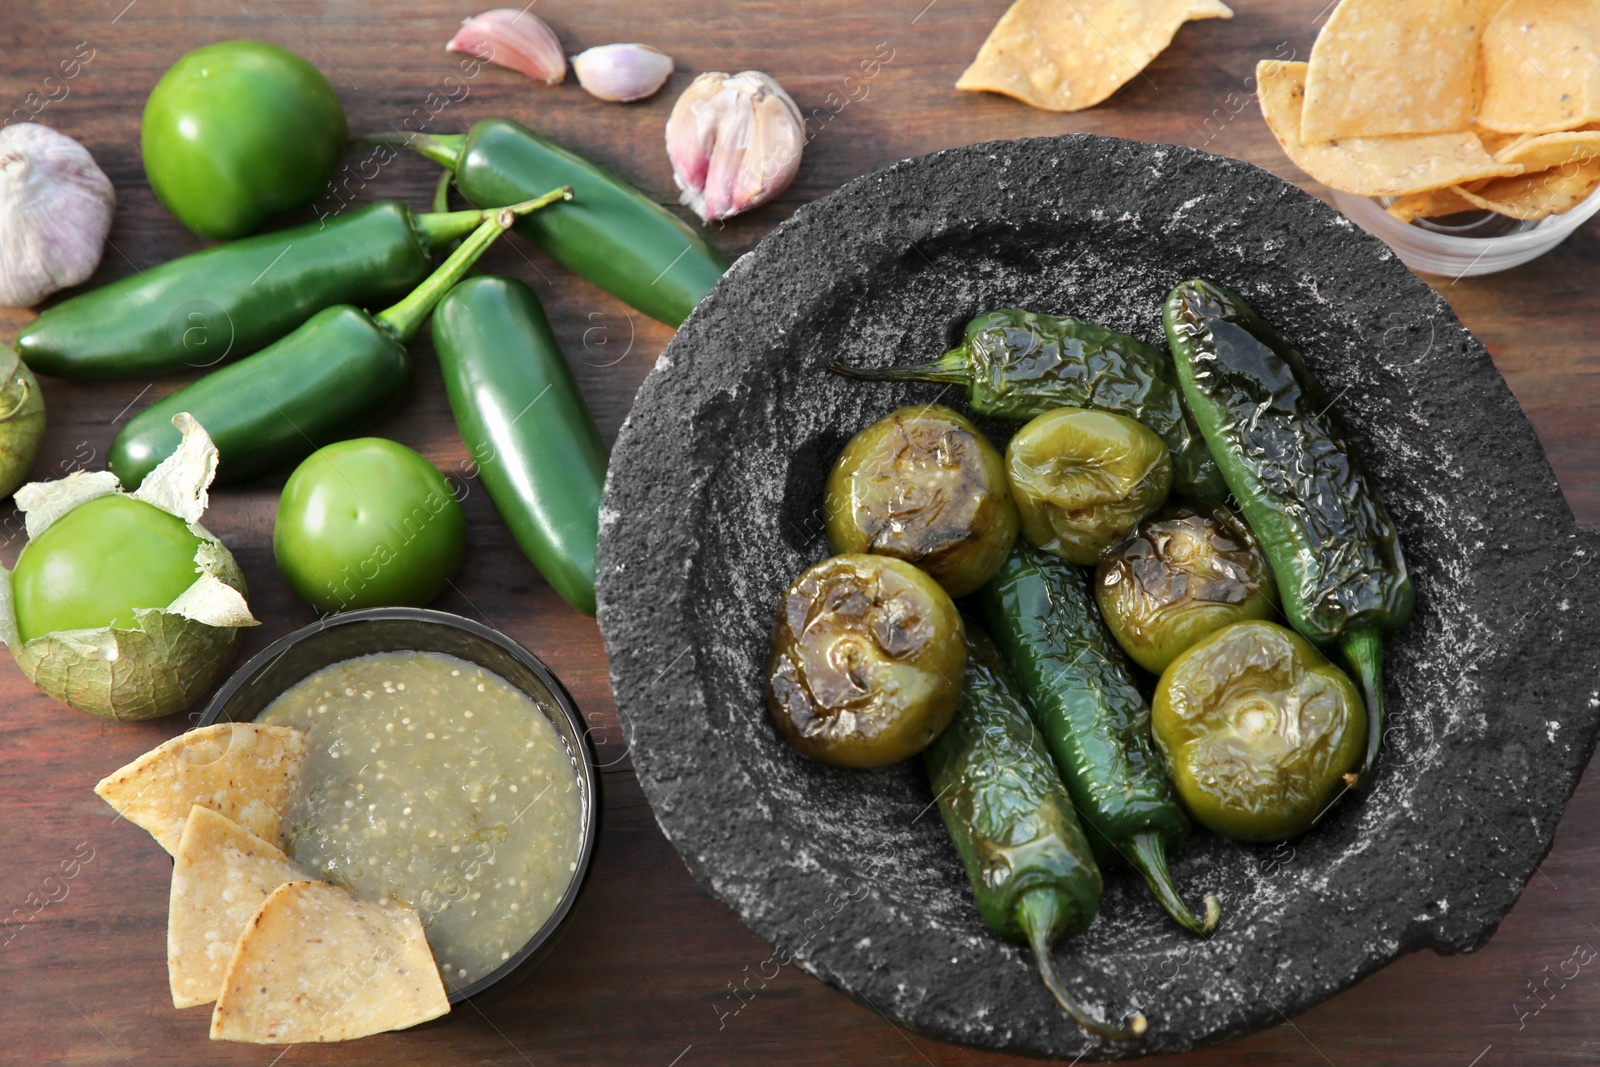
(647, 972)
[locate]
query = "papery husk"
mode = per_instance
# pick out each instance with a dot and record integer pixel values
(171, 655)
(21, 420)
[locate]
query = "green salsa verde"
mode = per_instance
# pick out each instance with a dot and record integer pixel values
(434, 782)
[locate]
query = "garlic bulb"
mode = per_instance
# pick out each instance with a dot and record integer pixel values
(515, 40)
(622, 72)
(734, 141)
(55, 212)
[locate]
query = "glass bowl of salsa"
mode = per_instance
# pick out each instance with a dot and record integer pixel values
(448, 770)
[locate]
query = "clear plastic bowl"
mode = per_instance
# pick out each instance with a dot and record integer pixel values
(1463, 245)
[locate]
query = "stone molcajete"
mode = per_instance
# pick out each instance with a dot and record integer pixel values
(714, 504)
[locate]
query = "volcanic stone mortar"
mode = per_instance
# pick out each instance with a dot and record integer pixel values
(714, 505)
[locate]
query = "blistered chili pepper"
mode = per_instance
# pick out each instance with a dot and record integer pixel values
(1017, 364)
(1334, 549)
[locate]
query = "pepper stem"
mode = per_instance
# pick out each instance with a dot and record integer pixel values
(950, 368)
(441, 192)
(442, 227)
(1150, 857)
(1363, 649)
(443, 148)
(1038, 912)
(404, 319)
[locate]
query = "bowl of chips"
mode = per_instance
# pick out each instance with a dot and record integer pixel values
(1467, 136)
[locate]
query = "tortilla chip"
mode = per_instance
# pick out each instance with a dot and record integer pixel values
(1539, 194)
(1066, 55)
(1496, 143)
(1542, 151)
(1380, 68)
(1433, 204)
(220, 876)
(1369, 166)
(1541, 66)
(243, 770)
(316, 964)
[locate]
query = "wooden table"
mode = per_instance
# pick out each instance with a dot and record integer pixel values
(646, 973)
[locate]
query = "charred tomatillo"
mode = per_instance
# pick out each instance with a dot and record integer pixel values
(1260, 733)
(368, 523)
(923, 485)
(1183, 573)
(99, 563)
(867, 660)
(238, 131)
(1083, 478)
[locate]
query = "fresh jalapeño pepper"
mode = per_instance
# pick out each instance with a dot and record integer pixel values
(1093, 718)
(1334, 550)
(1017, 364)
(320, 384)
(611, 234)
(525, 427)
(1033, 874)
(195, 311)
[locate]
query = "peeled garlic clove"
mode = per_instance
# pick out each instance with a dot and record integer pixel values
(622, 72)
(55, 212)
(515, 40)
(734, 141)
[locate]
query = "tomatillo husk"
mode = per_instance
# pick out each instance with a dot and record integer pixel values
(172, 653)
(21, 420)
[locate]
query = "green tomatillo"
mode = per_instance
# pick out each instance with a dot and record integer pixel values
(123, 605)
(866, 663)
(1083, 478)
(923, 485)
(238, 131)
(368, 523)
(1260, 732)
(1183, 573)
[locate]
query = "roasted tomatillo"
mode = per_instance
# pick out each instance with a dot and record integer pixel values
(1259, 731)
(923, 485)
(1082, 478)
(1185, 572)
(99, 563)
(866, 663)
(237, 132)
(368, 523)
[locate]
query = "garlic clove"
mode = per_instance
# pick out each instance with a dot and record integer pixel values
(55, 211)
(515, 40)
(734, 141)
(622, 72)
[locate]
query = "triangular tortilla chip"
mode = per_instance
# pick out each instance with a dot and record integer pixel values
(1433, 204)
(1538, 152)
(243, 770)
(1066, 55)
(1380, 68)
(220, 876)
(316, 964)
(1534, 196)
(1541, 66)
(1369, 166)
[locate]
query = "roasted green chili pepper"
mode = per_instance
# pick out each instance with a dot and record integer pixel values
(1259, 731)
(1093, 718)
(611, 234)
(320, 384)
(525, 427)
(1033, 875)
(1334, 550)
(1018, 364)
(194, 311)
